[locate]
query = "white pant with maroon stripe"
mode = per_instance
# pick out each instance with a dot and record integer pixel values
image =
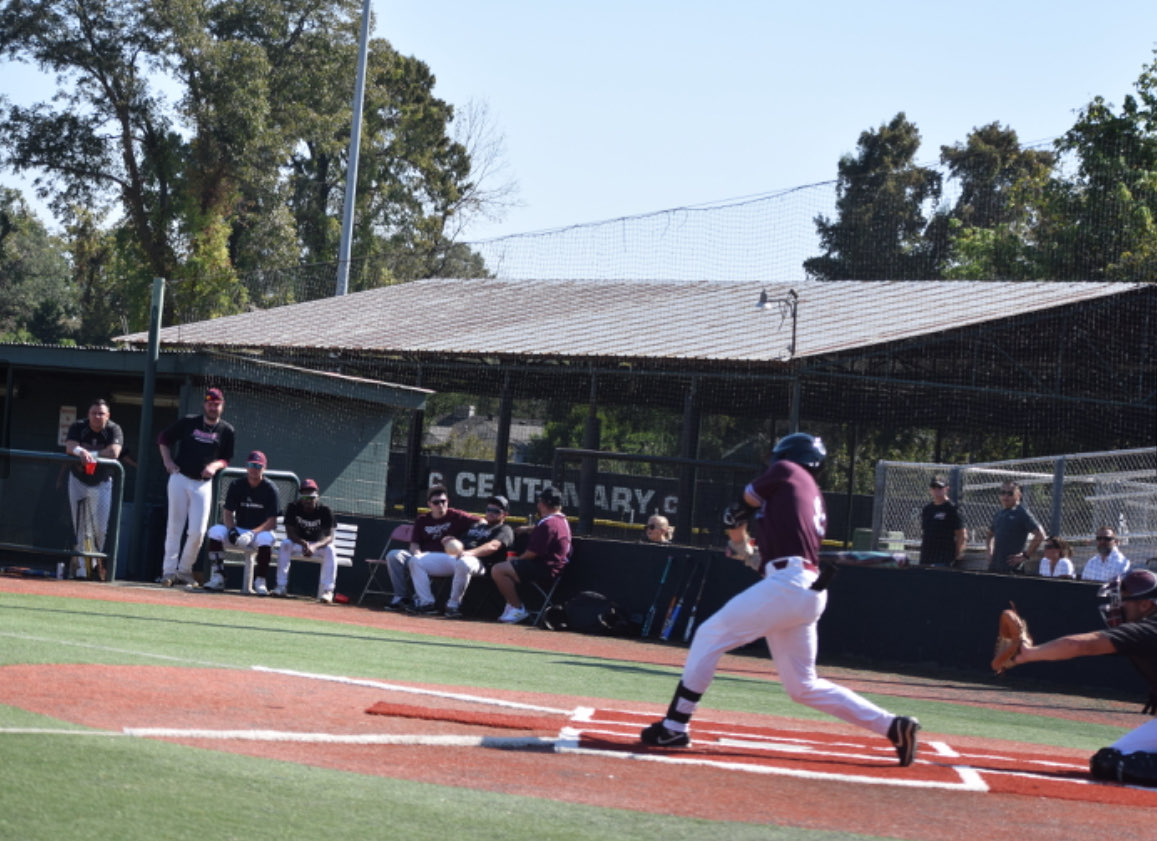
(784, 610)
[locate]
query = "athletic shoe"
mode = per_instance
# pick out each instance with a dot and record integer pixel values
(260, 588)
(216, 582)
(279, 591)
(422, 609)
(453, 613)
(513, 615)
(326, 597)
(902, 734)
(398, 605)
(658, 736)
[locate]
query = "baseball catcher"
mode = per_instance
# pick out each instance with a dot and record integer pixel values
(1130, 612)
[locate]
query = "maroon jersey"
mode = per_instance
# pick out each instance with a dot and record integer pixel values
(792, 518)
(428, 532)
(550, 542)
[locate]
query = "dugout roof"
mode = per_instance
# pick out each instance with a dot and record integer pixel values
(974, 354)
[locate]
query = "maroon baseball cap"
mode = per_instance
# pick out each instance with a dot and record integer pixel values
(309, 488)
(257, 457)
(214, 395)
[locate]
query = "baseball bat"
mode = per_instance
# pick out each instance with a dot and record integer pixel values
(658, 594)
(698, 597)
(677, 606)
(863, 558)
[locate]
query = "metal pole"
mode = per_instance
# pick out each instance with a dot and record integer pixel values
(351, 176)
(146, 447)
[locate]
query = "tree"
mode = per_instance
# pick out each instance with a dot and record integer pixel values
(242, 167)
(37, 298)
(987, 234)
(881, 196)
(1100, 224)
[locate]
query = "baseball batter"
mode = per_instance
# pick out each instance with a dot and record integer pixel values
(783, 608)
(204, 445)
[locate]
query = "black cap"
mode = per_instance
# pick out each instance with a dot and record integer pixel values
(550, 496)
(501, 501)
(937, 482)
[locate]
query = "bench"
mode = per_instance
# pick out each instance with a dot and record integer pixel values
(345, 538)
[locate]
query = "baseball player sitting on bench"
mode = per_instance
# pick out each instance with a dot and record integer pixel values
(309, 529)
(783, 608)
(251, 506)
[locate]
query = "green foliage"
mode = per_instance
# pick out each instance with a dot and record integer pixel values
(220, 132)
(881, 199)
(37, 298)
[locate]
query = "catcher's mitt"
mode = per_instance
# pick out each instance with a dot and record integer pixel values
(1011, 637)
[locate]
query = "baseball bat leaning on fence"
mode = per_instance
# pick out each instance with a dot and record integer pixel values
(855, 558)
(698, 597)
(658, 594)
(677, 606)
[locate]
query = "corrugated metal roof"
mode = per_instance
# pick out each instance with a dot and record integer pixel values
(701, 320)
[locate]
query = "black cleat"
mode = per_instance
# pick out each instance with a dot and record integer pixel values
(902, 733)
(658, 736)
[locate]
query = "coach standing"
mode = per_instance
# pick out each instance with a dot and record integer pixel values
(88, 482)
(204, 445)
(942, 540)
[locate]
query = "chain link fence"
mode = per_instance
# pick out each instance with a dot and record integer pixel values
(1071, 495)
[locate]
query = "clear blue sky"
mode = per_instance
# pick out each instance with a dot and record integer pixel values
(619, 108)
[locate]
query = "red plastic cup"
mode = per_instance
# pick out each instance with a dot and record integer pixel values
(89, 468)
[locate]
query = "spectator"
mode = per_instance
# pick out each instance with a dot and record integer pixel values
(1108, 563)
(1056, 559)
(545, 557)
(1011, 526)
(250, 516)
(309, 528)
(488, 539)
(89, 484)
(430, 529)
(657, 530)
(204, 445)
(942, 542)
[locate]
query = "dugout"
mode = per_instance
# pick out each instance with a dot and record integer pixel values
(284, 411)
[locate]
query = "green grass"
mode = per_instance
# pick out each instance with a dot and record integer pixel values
(112, 787)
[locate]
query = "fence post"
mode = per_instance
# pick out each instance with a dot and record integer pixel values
(1056, 517)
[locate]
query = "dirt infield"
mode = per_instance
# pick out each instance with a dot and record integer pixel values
(584, 750)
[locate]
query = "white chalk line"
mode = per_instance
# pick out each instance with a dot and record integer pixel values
(566, 743)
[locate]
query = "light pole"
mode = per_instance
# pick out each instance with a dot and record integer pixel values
(351, 172)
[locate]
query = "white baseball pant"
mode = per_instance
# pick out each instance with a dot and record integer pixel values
(784, 610)
(439, 564)
(189, 501)
(288, 550)
(98, 501)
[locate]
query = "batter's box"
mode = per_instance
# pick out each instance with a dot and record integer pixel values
(766, 749)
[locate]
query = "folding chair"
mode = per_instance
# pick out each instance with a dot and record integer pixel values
(547, 594)
(377, 566)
